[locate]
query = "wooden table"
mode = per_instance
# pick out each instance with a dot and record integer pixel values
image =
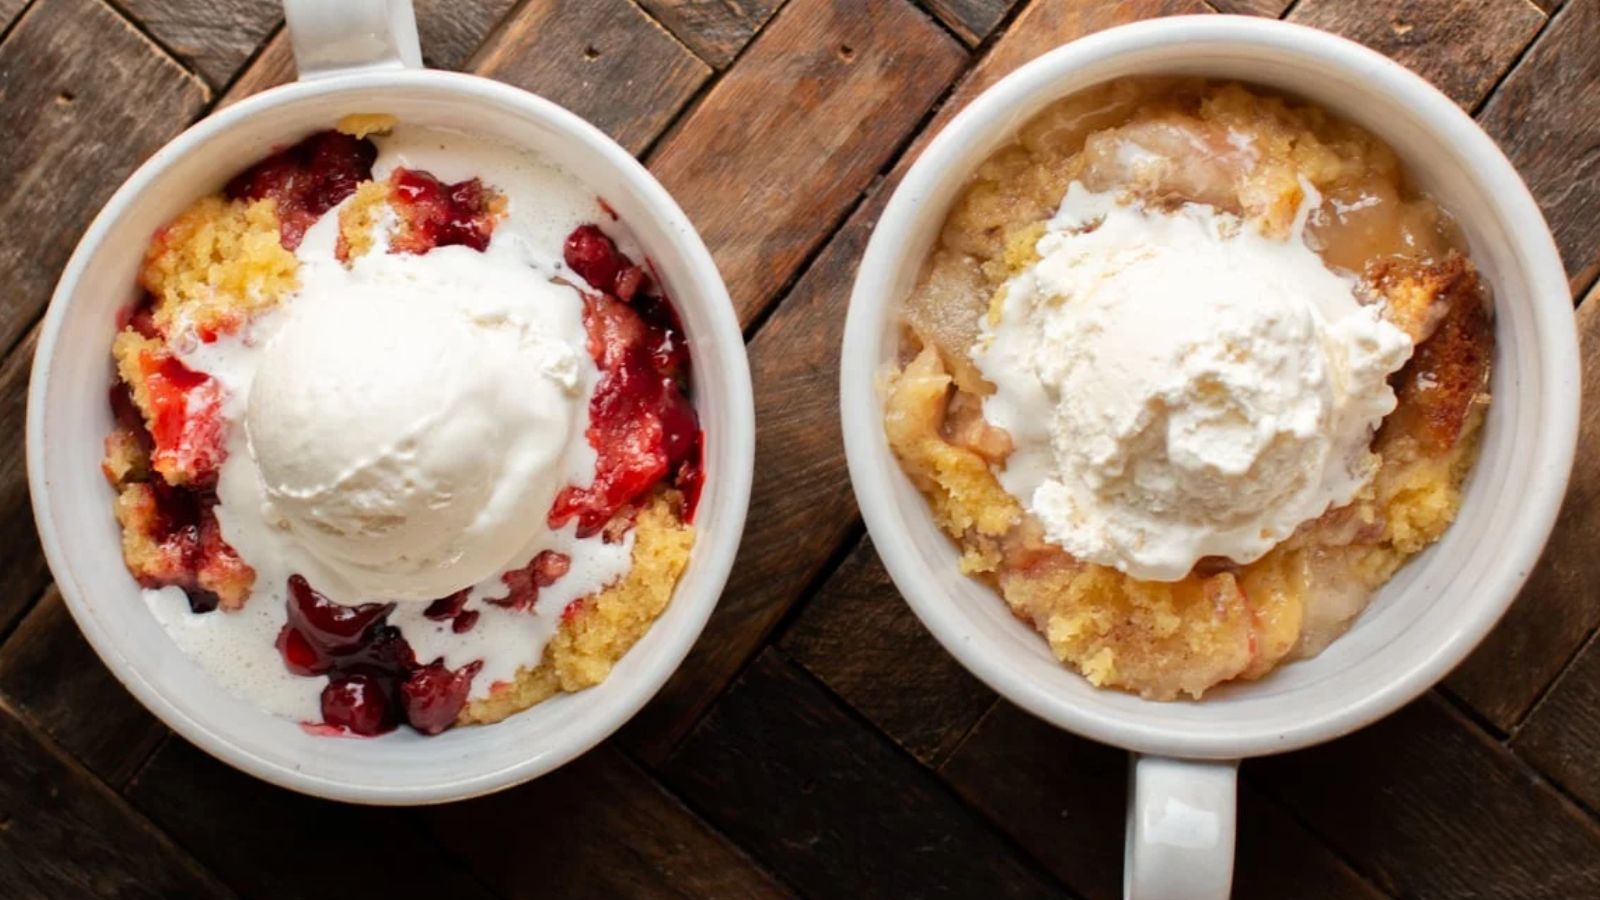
(817, 742)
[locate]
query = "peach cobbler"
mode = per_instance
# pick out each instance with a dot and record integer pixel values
(403, 436)
(1191, 371)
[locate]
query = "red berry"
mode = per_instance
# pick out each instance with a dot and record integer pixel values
(358, 703)
(434, 695)
(333, 627)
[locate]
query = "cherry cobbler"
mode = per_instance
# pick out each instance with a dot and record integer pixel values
(399, 444)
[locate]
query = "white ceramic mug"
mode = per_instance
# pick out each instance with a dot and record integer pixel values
(1180, 828)
(361, 56)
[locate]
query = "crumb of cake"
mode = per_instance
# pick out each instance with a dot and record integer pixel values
(359, 219)
(216, 265)
(964, 492)
(180, 408)
(599, 629)
(181, 545)
(125, 458)
(362, 125)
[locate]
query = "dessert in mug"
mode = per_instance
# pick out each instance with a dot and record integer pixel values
(1191, 371)
(403, 437)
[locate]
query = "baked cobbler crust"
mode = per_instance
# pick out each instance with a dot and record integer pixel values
(1223, 621)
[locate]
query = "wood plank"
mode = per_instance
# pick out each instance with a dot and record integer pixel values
(275, 843)
(1270, 8)
(801, 487)
(22, 566)
(832, 807)
(603, 59)
(1560, 605)
(1546, 116)
(1462, 46)
(1560, 737)
(51, 675)
(781, 148)
(84, 97)
(64, 834)
(1063, 798)
(272, 67)
(1427, 805)
(601, 829)
(716, 30)
(972, 19)
(452, 30)
(860, 638)
(9, 10)
(214, 37)
(1041, 27)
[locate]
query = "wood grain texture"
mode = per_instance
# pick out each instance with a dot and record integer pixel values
(801, 488)
(1462, 46)
(598, 828)
(51, 675)
(22, 566)
(1044, 25)
(716, 30)
(1053, 791)
(827, 803)
(603, 59)
(1269, 8)
(859, 637)
(777, 152)
(63, 834)
(269, 842)
(83, 99)
(214, 37)
(273, 66)
(1561, 737)
(1426, 805)
(972, 19)
(452, 30)
(1546, 116)
(1560, 605)
(9, 10)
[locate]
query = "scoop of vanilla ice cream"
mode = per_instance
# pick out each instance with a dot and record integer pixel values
(1178, 385)
(409, 419)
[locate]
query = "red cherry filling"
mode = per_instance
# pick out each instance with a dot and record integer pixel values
(307, 179)
(374, 681)
(449, 609)
(437, 214)
(185, 421)
(357, 703)
(434, 695)
(641, 425)
(541, 572)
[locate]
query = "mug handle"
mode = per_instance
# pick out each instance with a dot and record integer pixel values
(1179, 841)
(337, 37)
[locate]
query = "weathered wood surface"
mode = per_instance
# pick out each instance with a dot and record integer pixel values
(1560, 605)
(1462, 46)
(716, 30)
(817, 742)
(65, 834)
(213, 37)
(603, 59)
